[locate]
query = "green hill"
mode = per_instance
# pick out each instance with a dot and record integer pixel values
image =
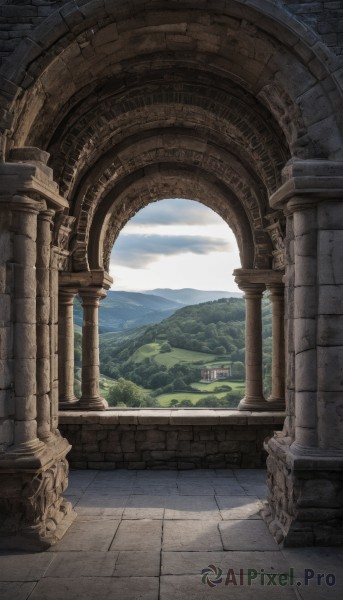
(121, 311)
(188, 296)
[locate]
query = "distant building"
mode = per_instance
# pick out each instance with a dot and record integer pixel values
(215, 373)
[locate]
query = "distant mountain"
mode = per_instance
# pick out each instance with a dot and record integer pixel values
(120, 311)
(189, 296)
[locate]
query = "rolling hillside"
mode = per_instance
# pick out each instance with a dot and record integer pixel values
(188, 296)
(121, 311)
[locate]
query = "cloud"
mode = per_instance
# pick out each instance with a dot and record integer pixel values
(138, 251)
(175, 212)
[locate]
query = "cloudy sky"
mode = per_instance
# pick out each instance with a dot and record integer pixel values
(175, 244)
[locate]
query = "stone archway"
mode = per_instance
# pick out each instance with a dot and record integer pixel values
(104, 107)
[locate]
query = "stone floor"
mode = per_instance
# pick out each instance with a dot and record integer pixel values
(167, 535)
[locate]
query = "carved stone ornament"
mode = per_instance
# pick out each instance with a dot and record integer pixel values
(33, 508)
(276, 231)
(62, 231)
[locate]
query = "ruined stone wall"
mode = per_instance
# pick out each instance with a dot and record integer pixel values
(114, 440)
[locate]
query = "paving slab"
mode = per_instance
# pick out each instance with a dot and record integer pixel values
(246, 535)
(23, 566)
(96, 588)
(229, 489)
(200, 488)
(187, 563)
(138, 535)
(101, 505)
(199, 474)
(137, 564)
(158, 490)
(255, 490)
(192, 507)
(191, 535)
(87, 535)
(239, 507)
(145, 507)
(190, 587)
(16, 590)
(320, 591)
(156, 475)
(224, 472)
(320, 560)
(82, 564)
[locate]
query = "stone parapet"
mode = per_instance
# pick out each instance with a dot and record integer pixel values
(172, 439)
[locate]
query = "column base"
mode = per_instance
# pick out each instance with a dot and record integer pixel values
(253, 403)
(276, 404)
(69, 404)
(33, 513)
(304, 499)
(93, 404)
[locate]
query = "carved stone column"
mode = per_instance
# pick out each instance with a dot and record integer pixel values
(276, 297)
(254, 399)
(67, 399)
(45, 220)
(24, 227)
(90, 399)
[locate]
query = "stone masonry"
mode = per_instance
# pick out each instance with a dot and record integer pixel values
(168, 439)
(107, 106)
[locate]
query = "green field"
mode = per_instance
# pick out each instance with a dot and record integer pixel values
(146, 351)
(169, 359)
(238, 386)
(178, 355)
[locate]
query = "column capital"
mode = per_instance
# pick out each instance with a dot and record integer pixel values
(22, 203)
(277, 290)
(253, 282)
(86, 279)
(306, 183)
(91, 296)
(27, 173)
(66, 296)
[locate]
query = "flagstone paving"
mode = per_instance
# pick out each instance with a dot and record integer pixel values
(169, 535)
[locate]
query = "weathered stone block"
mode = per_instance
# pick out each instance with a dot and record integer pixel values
(306, 371)
(330, 300)
(330, 368)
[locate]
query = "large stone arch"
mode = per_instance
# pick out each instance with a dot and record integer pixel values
(239, 100)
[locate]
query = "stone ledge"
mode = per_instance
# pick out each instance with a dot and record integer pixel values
(171, 417)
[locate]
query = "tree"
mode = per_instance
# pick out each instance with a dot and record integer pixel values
(125, 392)
(186, 403)
(166, 347)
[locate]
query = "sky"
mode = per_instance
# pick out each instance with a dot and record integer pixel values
(175, 243)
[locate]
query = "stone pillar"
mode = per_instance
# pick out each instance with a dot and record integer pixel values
(45, 220)
(254, 399)
(90, 399)
(278, 345)
(67, 399)
(24, 227)
(54, 336)
(305, 326)
(305, 462)
(33, 466)
(289, 280)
